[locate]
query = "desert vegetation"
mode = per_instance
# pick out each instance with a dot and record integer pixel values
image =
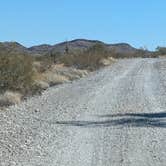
(161, 51)
(16, 73)
(23, 74)
(91, 59)
(16, 78)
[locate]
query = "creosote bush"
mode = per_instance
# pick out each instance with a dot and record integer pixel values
(16, 73)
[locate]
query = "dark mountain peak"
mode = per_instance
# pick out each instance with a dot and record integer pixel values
(79, 42)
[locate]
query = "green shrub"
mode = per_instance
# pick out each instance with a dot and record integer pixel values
(16, 73)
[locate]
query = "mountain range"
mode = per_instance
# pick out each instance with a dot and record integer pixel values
(78, 44)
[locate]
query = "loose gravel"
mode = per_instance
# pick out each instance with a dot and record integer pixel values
(114, 117)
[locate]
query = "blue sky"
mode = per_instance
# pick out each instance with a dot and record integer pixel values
(32, 22)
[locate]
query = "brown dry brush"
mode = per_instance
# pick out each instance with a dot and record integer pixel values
(88, 59)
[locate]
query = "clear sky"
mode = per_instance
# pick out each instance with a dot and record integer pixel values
(32, 22)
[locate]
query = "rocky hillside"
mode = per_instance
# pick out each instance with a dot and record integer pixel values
(40, 49)
(120, 49)
(12, 48)
(81, 44)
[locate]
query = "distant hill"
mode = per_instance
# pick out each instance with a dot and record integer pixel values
(81, 44)
(12, 48)
(40, 49)
(78, 44)
(121, 49)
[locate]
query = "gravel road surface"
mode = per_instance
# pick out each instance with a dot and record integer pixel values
(114, 117)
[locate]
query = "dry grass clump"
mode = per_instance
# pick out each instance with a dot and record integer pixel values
(9, 98)
(41, 85)
(53, 78)
(58, 74)
(46, 74)
(107, 61)
(49, 78)
(37, 66)
(70, 72)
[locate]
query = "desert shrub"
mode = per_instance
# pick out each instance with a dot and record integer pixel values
(45, 62)
(52, 78)
(41, 85)
(161, 50)
(16, 73)
(88, 59)
(54, 56)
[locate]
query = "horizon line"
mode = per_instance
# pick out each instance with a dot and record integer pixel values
(72, 40)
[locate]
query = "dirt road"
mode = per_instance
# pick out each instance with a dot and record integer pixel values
(114, 117)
